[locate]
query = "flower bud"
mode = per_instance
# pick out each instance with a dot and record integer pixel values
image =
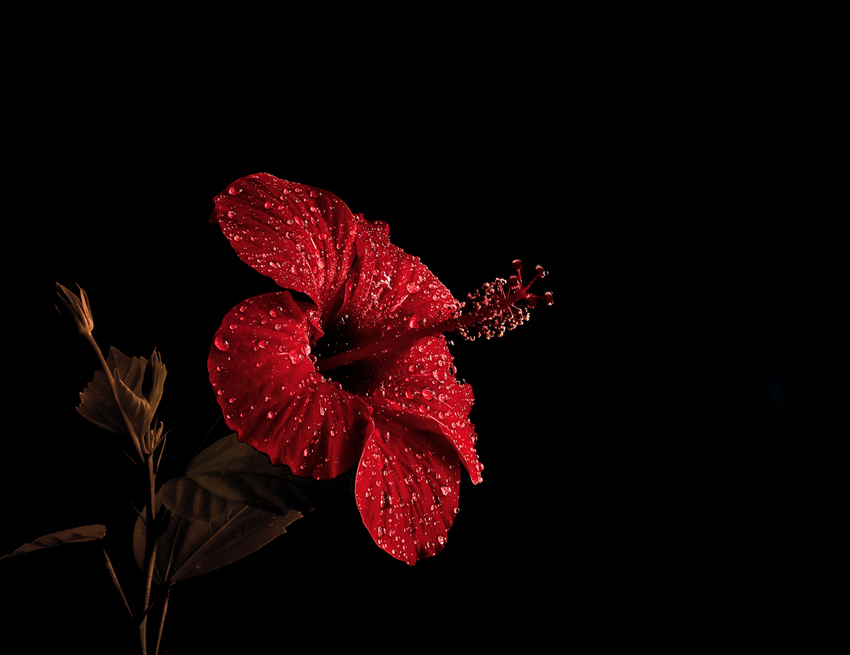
(78, 307)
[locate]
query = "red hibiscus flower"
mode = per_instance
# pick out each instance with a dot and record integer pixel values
(349, 367)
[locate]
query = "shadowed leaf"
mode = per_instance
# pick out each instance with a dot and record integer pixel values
(72, 536)
(187, 499)
(238, 472)
(231, 501)
(98, 404)
(193, 546)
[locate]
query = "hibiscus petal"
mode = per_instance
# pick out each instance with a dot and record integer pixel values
(422, 381)
(273, 397)
(299, 236)
(395, 292)
(407, 485)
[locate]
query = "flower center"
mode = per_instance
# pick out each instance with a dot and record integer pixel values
(491, 311)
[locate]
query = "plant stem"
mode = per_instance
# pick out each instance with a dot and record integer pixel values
(162, 619)
(150, 550)
(112, 386)
(115, 580)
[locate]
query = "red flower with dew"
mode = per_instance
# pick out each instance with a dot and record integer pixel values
(352, 368)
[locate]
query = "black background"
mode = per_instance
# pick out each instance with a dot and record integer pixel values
(643, 439)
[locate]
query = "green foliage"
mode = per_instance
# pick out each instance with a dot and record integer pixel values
(230, 502)
(189, 547)
(138, 385)
(73, 536)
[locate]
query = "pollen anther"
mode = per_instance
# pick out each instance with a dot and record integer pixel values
(494, 309)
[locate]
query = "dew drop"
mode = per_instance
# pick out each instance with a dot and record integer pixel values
(412, 287)
(383, 227)
(221, 343)
(295, 357)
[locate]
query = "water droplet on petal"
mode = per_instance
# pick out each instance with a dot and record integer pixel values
(412, 287)
(295, 356)
(221, 343)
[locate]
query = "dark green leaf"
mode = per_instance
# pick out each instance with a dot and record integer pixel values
(72, 536)
(206, 546)
(98, 404)
(190, 547)
(240, 473)
(187, 499)
(230, 502)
